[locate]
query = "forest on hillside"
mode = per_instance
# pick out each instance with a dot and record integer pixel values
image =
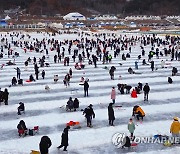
(88, 7)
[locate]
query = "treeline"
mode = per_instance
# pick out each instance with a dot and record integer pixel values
(124, 7)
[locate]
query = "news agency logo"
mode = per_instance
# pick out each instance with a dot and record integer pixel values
(119, 139)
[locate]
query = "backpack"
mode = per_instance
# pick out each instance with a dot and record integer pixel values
(31, 132)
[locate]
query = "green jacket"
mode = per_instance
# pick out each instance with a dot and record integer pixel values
(131, 127)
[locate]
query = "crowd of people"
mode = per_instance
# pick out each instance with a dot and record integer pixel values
(101, 55)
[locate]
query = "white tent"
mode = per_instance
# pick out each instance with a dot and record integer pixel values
(41, 24)
(74, 16)
(56, 25)
(7, 18)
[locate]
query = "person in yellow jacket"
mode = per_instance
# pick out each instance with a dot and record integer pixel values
(138, 112)
(175, 127)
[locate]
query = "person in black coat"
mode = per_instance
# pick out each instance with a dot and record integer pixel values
(21, 108)
(111, 114)
(43, 74)
(22, 126)
(174, 71)
(14, 81)
(18, 72)
(152, 65)
(130, 71)
(111, 73)
(170, 80)
(86, 87)
(146, 90)
(5, 96)
(127, 143)
(31, 78)
(94, 60)
(89, 114)
(64, 139)
(45, 144)
(70, 72)
(70, 103)
(37, 72)
(140, 85)
(1, 95)
(76, 104)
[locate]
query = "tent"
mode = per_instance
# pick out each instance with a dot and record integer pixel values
(56, 25)
(68, 25)
(7, 18)
(3, 23)
(132, 24)
(81, 24)
(74, 16)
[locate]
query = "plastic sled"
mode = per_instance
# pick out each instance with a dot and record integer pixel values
(72, 123)
(134, 144)
(28, 81)
(35, 152)
(167, 143)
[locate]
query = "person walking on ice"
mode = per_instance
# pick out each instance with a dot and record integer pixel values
(64, 139)
(89, 114)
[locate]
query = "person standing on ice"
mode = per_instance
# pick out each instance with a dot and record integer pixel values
(146, 90)
(111, 72)
(89, 114)
(86, 87)
(64, 139)
(95, 59)
(175, 128)
(43, 74)
(113, 95)
(152, 65)
(162, 63)
(136, 65)
(1, 95)
(111, 114)
(5, 96)
(70, 72)
(18, 72)
(131, 127)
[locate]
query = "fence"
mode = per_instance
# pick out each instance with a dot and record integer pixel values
(30, 26)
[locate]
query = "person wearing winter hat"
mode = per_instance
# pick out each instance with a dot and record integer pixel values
(175, 127)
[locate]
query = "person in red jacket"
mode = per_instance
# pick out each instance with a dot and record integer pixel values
(134, 94)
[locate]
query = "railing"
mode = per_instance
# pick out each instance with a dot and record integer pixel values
(26, 26)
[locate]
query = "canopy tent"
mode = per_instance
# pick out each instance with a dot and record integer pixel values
(74, 16)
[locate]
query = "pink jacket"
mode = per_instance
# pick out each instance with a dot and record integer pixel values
(113, 94)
